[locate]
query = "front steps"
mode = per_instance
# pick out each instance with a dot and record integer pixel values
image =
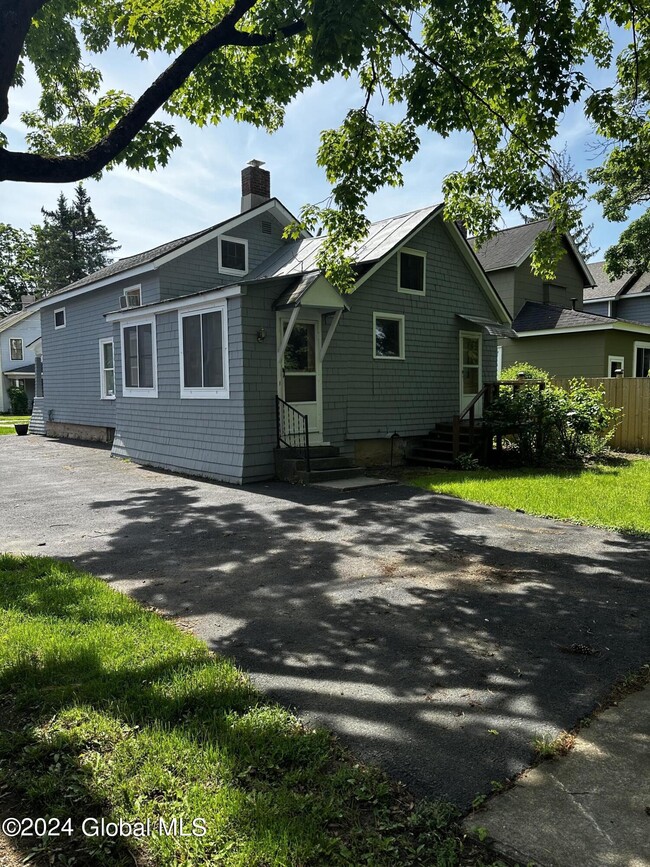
(326, 465)
(437, 449)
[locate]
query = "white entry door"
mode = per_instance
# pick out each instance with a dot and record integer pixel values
(299, 376)
(471, 363)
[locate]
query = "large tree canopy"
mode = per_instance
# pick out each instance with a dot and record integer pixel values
(504, 72)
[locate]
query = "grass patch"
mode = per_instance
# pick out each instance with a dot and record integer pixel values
(110, 711)
(615, 495)
(7, 423)
(547, 747)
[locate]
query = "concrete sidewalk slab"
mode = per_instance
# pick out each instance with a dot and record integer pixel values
(589, 808)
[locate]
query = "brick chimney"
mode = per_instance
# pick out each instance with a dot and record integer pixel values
(26, 300)
(255, 185)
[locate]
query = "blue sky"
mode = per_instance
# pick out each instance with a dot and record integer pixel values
(201, 184)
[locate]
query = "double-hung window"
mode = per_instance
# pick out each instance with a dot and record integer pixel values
(139, 359)
(204, 352)
(107, 369)
(16, 349)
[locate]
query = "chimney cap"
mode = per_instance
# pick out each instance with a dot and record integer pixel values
(256, 163)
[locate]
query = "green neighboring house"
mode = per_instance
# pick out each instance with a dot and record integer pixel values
(557, 326)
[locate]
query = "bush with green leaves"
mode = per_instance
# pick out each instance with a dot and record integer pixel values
(529, 370)
(19, 401)
(553, 424)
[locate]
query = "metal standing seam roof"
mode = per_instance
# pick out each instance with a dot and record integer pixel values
(300, 257)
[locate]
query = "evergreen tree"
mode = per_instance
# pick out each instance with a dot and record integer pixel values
(17, 267)
(71, 243)
(561, 174)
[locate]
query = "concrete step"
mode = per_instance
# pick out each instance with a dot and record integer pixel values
(316, 476)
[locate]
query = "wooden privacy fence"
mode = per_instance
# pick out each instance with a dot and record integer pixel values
(632, 396)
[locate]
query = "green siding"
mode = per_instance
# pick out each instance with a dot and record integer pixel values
(528, 287)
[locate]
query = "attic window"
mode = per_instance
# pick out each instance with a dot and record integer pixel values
(59, 318)
(411, 271)
(266, 227)
(233, 255)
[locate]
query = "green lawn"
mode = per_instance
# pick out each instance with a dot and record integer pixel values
(109, 710)
(7, 423)
(615, 495)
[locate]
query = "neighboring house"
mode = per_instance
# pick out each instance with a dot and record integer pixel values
(177, 355)
(18, 331)
(556, 326)
(628, 297)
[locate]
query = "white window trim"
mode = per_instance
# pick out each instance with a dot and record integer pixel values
(102, 369)
(22, 348)
(639, 344)
(615, 358)
(398, 317)
(411, 252)
(209, 393)
(131, 290)
(65, 318)
(234, 271)
(140, 392)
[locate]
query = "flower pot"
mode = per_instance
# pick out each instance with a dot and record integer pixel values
(21, 429)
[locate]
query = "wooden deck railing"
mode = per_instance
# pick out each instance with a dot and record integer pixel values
(487, 394)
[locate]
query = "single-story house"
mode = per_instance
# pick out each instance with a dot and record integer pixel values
(18, 332)
(557, 328)
(201, 354)
(628, 297)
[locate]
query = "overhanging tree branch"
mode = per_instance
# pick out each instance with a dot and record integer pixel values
(15, 166)
(15, 21)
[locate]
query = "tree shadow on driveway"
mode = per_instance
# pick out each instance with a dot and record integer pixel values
(436, 636)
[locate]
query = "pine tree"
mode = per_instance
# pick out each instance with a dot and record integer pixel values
(71, 243)
(562, 172)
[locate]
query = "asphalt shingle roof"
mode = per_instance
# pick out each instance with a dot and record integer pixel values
(145, 257)
(604, 288)
(534, 316)
(641, 286)
(505, 249)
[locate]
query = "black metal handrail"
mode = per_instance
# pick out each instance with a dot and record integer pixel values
(292, 428)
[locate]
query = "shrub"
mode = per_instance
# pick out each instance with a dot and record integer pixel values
(19, 401)
(553, 423)
(530, 370)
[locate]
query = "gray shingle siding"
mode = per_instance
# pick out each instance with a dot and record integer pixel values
(199, 268)
(364, 397)
(528, 287)
(634, 308)
(599, 307)
(71, 372)
(201, 437)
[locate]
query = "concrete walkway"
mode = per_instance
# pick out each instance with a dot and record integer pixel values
(589, 808)
(432, 634)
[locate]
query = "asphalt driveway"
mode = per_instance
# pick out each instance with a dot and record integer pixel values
(432, 634)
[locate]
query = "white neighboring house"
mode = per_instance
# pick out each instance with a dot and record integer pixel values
(18, 334)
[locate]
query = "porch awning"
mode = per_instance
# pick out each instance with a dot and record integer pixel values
(494, 329)
(311, 290)
(27, 371)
